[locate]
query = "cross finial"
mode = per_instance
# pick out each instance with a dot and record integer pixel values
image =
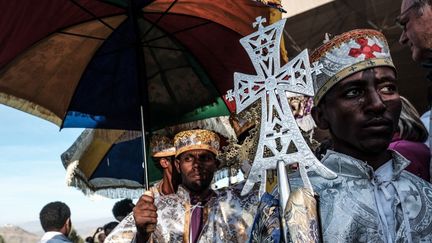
(316, 67)
(229, 95)
(327, 37)
(259, 22)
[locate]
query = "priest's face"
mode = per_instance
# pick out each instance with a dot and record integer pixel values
(361, 112)
(197, 168)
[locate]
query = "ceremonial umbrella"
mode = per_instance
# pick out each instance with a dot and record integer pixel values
(117, 64)
(109, 163)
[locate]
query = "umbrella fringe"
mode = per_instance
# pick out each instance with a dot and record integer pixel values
(112, 189)
(119, 193)
(71, 171)
(29, 107)
(74, 152)
(220, 125)
(120, 188)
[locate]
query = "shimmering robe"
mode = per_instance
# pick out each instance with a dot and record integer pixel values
(428, 65)
(348, 208)
(227, 218)
(157, 190)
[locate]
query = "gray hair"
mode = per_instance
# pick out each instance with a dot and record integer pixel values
(410, 126)
(420, 4)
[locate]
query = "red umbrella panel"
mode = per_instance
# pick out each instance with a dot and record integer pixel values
(118, 64)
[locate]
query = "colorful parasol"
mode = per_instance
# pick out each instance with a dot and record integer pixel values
(109, 163)
(117, 64)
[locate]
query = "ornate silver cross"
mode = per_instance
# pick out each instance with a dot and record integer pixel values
(280, 138)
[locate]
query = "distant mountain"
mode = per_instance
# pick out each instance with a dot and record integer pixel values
(32, 227)
(15, 234)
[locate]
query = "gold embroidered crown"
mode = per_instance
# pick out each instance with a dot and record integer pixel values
(162, 146)
(196, 139)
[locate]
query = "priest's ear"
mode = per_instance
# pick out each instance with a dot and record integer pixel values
(165, 162)
(177, 164)
(320, 117)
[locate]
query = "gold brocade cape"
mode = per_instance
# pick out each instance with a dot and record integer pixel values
(348, 207)
(228, 217)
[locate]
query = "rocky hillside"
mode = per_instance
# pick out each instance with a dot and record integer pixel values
(15, 234)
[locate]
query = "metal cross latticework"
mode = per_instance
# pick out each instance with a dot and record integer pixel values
(280, 138)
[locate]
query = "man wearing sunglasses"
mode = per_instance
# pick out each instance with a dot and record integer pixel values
(416, 22)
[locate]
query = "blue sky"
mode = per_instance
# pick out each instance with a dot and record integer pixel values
(32, 173)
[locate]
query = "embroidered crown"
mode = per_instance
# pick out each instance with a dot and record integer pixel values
(196, 139)
(162, 146)
(347, 54)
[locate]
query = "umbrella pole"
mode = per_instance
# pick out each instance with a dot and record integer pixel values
(144, 150)
(142, 86)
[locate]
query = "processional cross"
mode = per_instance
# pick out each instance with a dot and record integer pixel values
(280, 139)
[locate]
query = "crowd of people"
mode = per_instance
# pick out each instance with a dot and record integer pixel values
(378, 147)
(120, 210)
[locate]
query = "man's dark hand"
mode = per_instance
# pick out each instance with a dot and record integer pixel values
(145, 216)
